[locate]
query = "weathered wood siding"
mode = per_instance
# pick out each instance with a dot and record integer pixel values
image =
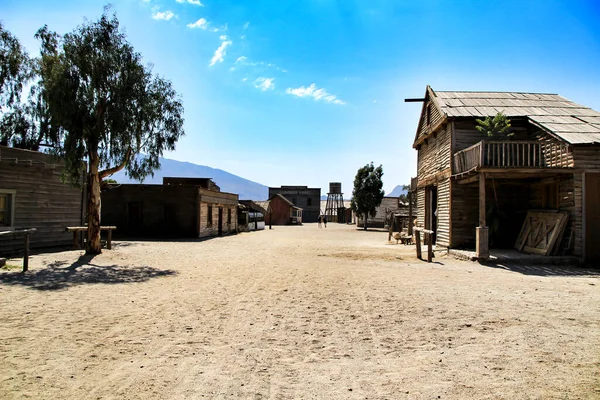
(420, 207)
(434, 157)
(465, 214)
(435, 116)
(41, 201)
(390, 203)
(161, 210)
(443, 213)
(217, 200)
(281, 212)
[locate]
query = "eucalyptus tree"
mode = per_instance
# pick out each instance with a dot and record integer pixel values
(368, 191)
(107, 110)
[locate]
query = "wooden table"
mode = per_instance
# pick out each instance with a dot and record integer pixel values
(25, 233)
(77, 229)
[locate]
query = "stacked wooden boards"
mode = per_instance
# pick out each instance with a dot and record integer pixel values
(542, 232)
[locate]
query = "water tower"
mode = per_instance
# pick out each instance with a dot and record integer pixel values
(334, 209)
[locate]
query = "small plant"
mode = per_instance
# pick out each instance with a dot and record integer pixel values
(10, 267)
(497, 127)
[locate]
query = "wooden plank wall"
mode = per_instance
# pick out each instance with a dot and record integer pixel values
(465, 214)
(166, 210)
(420, 207)
(585, 157)
(42, 200)
(443, 213)
(435, 117)
(435, 156)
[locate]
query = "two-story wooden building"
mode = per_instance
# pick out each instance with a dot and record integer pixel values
(475, 191)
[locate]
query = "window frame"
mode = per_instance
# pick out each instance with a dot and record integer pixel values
(11, 196)
(209, 217)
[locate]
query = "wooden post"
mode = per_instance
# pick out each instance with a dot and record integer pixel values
(75, 239)
(109, 240)
(481, 232)
(410, 211)
(429, 248)
(418, 241)
(26, 255)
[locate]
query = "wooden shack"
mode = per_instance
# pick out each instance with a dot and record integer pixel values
(180, 207)
(282, 211)
(475, 191)
(388, 206)
(33, 195)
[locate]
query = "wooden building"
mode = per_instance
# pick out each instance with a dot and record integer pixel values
(475, 191)
(32, 195)
(303, 197)
(180, 207)
(251, 216)
(281, 211)
(388, 205)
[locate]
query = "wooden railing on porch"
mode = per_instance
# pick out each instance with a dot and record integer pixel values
(513, 154)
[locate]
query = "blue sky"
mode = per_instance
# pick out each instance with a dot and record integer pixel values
(306, 92)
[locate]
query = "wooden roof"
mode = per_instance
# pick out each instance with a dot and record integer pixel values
(567, 120)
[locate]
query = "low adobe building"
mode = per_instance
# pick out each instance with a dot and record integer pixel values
(180, 207)
(281, 211)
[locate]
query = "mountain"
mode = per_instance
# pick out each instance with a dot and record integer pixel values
(230, 183)
(397, 192)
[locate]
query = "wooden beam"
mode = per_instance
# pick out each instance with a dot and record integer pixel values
(482, 222)
(419, 100)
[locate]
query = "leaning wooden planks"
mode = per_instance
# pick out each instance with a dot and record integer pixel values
(542, 232)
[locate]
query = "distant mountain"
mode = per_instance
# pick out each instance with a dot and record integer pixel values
(397, 192)
(230, 183)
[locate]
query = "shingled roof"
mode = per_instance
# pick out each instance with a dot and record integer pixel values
(572, 122)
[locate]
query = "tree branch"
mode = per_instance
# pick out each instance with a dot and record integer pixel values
(110, 171)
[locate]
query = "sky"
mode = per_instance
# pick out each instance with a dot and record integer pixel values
(305, 92)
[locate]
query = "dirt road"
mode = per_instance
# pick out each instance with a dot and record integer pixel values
(295, 313)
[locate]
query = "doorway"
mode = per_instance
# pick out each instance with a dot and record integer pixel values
(592, 216)
(431, 198)
(220, 228)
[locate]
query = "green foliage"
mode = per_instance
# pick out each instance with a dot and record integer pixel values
(368, 191)
(15, 68)
(497, 127)
(103, 103)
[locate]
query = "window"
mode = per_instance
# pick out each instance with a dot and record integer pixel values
(229, 215)
(7, 209)
(209, 217)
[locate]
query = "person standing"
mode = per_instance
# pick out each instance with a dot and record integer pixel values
(325, 220)
(320, 219)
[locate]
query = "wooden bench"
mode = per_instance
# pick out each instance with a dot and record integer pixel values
(25, 233)
(78, 229)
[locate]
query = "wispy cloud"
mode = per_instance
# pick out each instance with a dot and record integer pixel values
(220, 53)
(244, 61)
(264, 84)
(194, 2)
(246, 25)
(316, 93)
(163, 15)
(200, 24)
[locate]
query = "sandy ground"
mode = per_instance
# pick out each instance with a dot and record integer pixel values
(295, 313)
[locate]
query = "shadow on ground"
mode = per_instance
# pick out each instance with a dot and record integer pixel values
(545, 270)
(59, 275)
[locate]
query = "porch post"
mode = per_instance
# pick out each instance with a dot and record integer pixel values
(410, 212)
(482, 235)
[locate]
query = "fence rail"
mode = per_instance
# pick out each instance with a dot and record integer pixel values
(513, 154)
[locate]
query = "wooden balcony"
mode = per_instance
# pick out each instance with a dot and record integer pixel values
(512, 155)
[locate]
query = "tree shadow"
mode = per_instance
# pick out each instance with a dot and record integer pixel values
(59, 275)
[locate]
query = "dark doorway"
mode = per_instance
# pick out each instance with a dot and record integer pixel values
(134, 217)
(592, 216)
(431, 212)
(220, 228)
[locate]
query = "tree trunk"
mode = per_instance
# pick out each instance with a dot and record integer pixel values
(366, 216)
(93, 245)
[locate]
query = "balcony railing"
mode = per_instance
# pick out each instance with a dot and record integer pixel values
(513, 154)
